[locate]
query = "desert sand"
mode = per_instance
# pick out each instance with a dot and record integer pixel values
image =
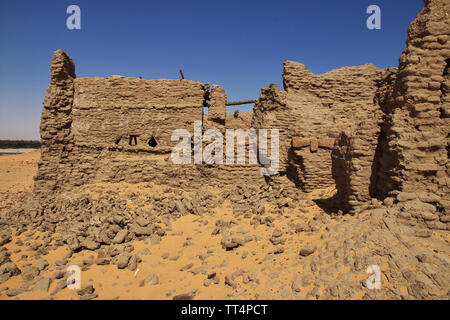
(189, 247)
(17, 173)
(190, 259)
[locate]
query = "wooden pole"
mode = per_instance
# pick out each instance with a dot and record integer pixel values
(234, 103)
(181, 73)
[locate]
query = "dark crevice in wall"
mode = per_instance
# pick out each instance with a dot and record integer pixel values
(341, 157)
(447, 68)
(375, 168)
(294, 163)
(448, 147)
(152, 142)
(444, 90)
(132, 140)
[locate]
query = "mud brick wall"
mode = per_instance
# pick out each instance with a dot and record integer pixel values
(418, 124)
(107, 111)
(217, 110)
(118, 129)
(317, 107)
(113, 166)
(311, 162)
(55, 126)
(355, 160)
(271, 111)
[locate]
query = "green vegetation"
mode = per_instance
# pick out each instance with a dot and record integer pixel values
(16, 144)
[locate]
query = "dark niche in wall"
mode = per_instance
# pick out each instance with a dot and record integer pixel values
(152, 142)
(133, 140)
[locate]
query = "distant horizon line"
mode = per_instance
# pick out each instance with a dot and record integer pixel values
(19, 139)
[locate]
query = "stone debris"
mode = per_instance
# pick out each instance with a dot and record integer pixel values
(43, 284)
(307, 250)
(380, 137)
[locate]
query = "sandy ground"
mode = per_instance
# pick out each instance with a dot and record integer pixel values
(16, 176)
(187, 259)
(182, 261)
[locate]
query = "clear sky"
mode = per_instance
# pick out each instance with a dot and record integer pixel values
(239, 45)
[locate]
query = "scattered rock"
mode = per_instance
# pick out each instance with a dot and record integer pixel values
(231, 278)
(5, 237)
(132, 263)
(13, 292)
(91, 244)
(229, 243)
(207, 282)
(183, 296)
(152, 279)
(102, 261)
(307, 250)
(43, 284)
(296, 287)
(59, 286)
(122, 260)
(85, 290)
(29, 273)
(41, 264)
(89, 296)
(12, 269)
(120, 236)
(186, 267)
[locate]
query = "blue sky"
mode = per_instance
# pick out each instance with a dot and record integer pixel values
(239, 45)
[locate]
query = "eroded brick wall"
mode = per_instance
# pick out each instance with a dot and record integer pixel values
(56, 120)
(118, 129)
(107, 111)
(318, 107)
(416, 146)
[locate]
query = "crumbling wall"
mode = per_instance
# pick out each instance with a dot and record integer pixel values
(118, 129)
(310, 162)
(317, 108)
(386, 176)
(239, 120)
(55, 128)
(217, 110)
(355, 161)
(417, 126)
(108, 111)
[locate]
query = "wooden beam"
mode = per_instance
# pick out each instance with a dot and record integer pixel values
(234, 103)
(298, 142)
(313, 143)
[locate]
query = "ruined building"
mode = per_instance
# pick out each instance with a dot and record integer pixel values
(372, 133)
